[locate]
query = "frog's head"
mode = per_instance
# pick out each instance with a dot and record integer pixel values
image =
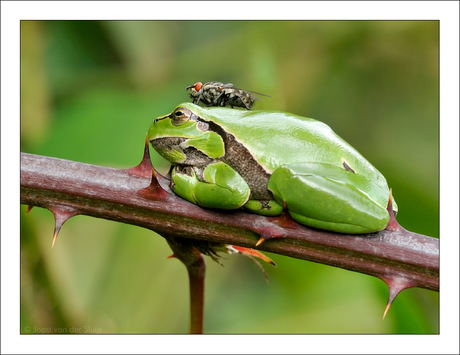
(185, 137)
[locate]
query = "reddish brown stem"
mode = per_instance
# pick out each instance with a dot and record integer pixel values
(122, 196)
(196, 267)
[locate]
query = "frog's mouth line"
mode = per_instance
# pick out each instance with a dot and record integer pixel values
(191, 155)
(167, 142)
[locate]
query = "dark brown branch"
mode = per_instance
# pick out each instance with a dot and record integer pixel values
(397, 256)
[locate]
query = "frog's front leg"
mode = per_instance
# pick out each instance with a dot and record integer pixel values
(329, 197)
(220, 186)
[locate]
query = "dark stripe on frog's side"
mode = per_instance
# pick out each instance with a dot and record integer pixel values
(240, 159)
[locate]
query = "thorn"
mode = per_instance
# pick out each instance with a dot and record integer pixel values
(154, 175)
(61, 215)
(54, 237)
(154, 190)
(390, 202)
(392, 225)
(29, 207)
(284, 220)
(395, 285)
(260, 241)
(275, 227)
(386, 310)
(144, 167)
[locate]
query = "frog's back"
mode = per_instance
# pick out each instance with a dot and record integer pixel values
(276, 138)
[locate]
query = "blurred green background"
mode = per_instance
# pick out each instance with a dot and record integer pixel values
(89, 92)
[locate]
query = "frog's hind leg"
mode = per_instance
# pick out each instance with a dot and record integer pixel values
(329, 197)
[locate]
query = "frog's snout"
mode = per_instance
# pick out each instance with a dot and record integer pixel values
(161, 118)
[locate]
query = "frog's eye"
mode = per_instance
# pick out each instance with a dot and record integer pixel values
(180, 116)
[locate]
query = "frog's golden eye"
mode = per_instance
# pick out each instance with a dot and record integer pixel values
(180, 116)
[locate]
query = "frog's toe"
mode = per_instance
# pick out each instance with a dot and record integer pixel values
(264, 207)
(341, 227)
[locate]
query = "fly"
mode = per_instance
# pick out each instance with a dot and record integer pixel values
(215, 93)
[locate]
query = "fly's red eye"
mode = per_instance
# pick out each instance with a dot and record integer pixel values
(198, 86)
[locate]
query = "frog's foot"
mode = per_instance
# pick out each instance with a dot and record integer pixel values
(264, 207)
(329, 197)
(222, 187)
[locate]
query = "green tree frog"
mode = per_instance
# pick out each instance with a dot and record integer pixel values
(268, 161)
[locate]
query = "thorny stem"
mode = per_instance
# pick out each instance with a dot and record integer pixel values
(196, 267)
(399, 257)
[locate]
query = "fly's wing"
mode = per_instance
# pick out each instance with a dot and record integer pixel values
(253, 93)
(256, 93)
(236, 97)
(230, 86)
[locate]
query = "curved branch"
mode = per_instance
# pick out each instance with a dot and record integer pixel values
(401, 258)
